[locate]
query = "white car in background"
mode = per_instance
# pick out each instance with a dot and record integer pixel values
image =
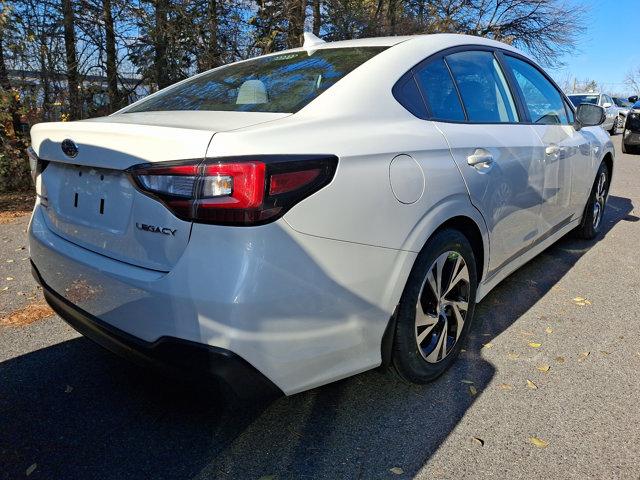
(294, 219)
(614, 120)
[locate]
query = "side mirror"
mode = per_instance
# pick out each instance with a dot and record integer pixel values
(633, 99)
(589, 115)
(606, 105)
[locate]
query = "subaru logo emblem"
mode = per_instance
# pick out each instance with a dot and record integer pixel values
(69, 148)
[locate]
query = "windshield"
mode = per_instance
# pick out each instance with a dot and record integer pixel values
(578, 99)
(278, 83)
(621, 102)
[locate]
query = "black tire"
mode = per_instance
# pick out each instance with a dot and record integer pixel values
(624, 145)
(589, 228)
(614, 128)
(408, 359)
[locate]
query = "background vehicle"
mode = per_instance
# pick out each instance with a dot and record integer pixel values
(613, 120)
(624, 106)
(631, 132)
(266, 222)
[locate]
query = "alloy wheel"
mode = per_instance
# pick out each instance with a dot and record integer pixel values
(600, 200)
(442, 306)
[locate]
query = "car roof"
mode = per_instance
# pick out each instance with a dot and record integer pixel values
(583, 93)
(451, 39)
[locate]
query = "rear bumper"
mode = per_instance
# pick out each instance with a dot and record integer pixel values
(172, 355)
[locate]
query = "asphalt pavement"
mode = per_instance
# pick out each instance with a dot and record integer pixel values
(547, 388)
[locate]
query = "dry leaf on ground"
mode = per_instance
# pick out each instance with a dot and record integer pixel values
(548, 330)
(27, 315)
(506, 386)
(470, 382)
(535, 344)
(473, 391)
(531, 385)
(543, 368)
(478, 441)
(538, 442)
(560, 359)
(396, 470)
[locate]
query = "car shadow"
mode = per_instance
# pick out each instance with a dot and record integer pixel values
(76, 411)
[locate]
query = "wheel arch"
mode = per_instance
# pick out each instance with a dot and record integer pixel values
(469, 227)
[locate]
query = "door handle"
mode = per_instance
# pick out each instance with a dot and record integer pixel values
(552, 150)
(480, 158)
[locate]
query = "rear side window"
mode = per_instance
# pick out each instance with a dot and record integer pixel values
(483, 87)
(278, 83)
(542, 100)
(440, 92)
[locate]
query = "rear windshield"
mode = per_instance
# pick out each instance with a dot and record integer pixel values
(279, 83)
(578, 99)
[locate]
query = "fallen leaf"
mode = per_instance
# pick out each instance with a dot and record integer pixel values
(27, 315)
(10, 261)
(531, 385)
(560, 359)
(535, 344)
(487, 345)
(548, 330)
(462, 350)
(584, 354)
(4, 289)
(396, 470)
(478, 441)
(9, 278)
(603, 352)
(470, 382)
(31, 469)
(473, 391)
(587, 302)
(538, 442)
(543, 368)
(68, 389)
(582, 304)
(506, 386)
(513, 355)
(579, 299)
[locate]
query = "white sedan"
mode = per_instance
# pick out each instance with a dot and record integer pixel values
(294, 219)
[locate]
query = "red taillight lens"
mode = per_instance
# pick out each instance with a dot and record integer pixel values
(235, 191)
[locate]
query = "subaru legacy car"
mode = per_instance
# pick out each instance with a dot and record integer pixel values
(614, 113)
(290, 220)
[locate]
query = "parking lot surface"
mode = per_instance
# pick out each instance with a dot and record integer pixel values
(546, 388)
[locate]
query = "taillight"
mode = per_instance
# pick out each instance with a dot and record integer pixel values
(235, 190)
(37, 166)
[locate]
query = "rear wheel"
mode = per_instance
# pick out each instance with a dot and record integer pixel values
(591, 223)
(436, 309)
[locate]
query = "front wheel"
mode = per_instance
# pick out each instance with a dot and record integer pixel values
(436, 308)
(614, 128)
(591, 224)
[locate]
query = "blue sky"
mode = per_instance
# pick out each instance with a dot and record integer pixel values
(609, 47)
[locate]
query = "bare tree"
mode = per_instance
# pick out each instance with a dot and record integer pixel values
(632, 80)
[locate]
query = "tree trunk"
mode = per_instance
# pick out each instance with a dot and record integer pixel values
(5, 83)
(161, 45)
(73, 83)
(214, 59)
(112, 66)
(317, 17)
(296, 16)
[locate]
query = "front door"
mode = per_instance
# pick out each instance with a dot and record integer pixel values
(565, 151)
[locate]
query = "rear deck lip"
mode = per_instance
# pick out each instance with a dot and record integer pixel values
(173, 356)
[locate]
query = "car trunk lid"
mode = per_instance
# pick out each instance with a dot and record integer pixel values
(89, 199)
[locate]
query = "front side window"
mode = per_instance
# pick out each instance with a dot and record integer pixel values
(278, 83)
(542, 100)
(483, 88)
(439, 91)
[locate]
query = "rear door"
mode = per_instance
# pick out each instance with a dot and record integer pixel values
(567, 152)
(471, 103)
